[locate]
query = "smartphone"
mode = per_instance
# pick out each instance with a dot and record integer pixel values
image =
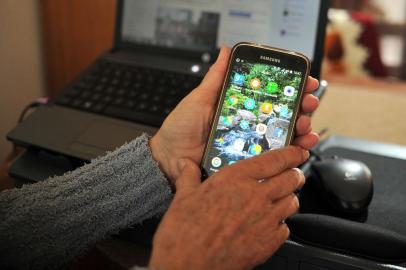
(258, 104)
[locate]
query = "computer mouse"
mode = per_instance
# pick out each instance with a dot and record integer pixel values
(346, 184)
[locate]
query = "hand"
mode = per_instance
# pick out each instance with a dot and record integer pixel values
(230, 221)
(185, 131)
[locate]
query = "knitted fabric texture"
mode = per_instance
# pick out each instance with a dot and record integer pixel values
(48, 224)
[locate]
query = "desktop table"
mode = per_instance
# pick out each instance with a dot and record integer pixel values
(363, 108)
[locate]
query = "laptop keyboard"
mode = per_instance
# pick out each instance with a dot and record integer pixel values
(132, 93)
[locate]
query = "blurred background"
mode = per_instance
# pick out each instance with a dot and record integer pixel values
(367, 38)
(44, 44)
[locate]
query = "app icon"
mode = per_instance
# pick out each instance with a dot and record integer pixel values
(249, 104)
(228, 121)
(233, 100)
(261, 129)
(238, 79)
(266, 107)
(272, 87)
(255, 83)
(216, 162)
(255, 149)
(289, 91)
(220, 140)
(284, 111)
(238, 145)
(244, 124)
(277, 133)
(277, 108)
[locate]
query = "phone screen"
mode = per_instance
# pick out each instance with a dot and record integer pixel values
(257, 112)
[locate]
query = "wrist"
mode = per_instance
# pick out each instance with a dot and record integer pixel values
(159, 154)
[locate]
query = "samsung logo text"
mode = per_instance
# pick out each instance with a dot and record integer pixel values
(270, 59)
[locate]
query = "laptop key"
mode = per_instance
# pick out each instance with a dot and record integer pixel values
(129, 104)
(118, 101)
(157, 98)
(98, 107)
(87, 105)
(85, 94)
(99, 87)
(132, 94)
(144, 96)
(107, 99)
(96, 96)
(160, 89)
(141, 106)
(76, 102)
(110, 90)
(104, 80)
(121, 92)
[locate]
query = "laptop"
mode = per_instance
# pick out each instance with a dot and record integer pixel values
(161, 51)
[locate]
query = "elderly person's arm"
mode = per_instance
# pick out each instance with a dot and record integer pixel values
(47, 224)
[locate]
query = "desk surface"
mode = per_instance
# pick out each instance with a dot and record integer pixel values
(371, 110)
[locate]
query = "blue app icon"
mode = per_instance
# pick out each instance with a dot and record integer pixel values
(277, 133)
(228, 121)
(249, 104)
(238, 79)
(255, 149)
(284, 112)
(244, 124)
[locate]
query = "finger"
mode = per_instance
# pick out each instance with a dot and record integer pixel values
(311, 85)
(270, 163)
(303, 125)
(309, 103)
(266, 240)
(269, 242)
(189, 177)
(283, 184)
(213, 81)
(281, 235)
(307, 141)
(286, 206)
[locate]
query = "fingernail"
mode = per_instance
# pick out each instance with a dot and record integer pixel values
(306, 154)
(181, 164)
(302, 178)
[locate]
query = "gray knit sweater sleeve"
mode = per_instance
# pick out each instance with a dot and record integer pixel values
(47, 224)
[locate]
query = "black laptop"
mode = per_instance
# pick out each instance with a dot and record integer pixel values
(162, 49)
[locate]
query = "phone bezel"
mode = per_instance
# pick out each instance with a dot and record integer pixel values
(259, 50)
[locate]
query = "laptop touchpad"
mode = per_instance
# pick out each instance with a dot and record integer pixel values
(102, 136)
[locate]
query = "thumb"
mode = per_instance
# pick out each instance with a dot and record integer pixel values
(189, 177)
(213, 81)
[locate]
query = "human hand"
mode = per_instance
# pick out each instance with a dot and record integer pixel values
(230, 221)
(185, 131)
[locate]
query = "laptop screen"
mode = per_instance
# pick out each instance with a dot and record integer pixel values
(204, 25)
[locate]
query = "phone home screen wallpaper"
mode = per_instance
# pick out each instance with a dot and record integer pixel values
(256, 113)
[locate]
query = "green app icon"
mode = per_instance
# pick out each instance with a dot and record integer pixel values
(272, 87)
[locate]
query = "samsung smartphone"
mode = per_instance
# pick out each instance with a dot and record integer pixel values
(258, 105)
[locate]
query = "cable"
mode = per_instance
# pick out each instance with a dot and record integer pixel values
(36, 103)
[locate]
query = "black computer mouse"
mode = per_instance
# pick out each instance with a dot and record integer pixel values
(346, 184)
